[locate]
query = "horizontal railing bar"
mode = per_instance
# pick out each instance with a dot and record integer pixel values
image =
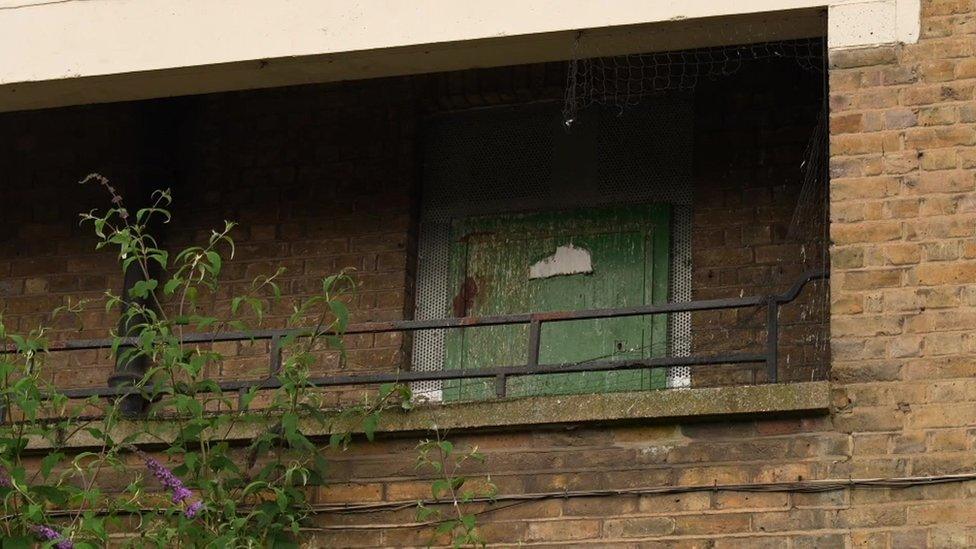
(512, 371)
(443, 323)
(443, 375)
(468, 321)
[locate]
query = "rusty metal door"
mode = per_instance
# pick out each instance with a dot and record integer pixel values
(583, 259)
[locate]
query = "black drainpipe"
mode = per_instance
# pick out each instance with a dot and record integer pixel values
(158, 133)
(129, 371)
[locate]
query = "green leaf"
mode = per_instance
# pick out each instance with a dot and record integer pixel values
(282, 542)
(248, 397)
(142, 288)
(446, 527)
(49, 462)
(96, 433)
(446, 446)
(426, 513)
(440, 486)
(338, 440)
(215, 262)
(190, 460)
(289, 423)
(195, 365)
(96, 525)
(171, 285)
(34, 512)
(341, 313)
(17, 542)
(161, 257)
(223, 463)
(369, 426)
(51, 493)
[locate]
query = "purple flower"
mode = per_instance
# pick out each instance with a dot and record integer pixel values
(167, 479)
(193, 509)
(170, 481)
(47, 533)
(181, 493)
(5, 481)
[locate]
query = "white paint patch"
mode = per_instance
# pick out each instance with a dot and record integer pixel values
(568, 260)
(908, 18)
(860, 23)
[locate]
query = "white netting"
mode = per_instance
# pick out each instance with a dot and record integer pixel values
(810, 224)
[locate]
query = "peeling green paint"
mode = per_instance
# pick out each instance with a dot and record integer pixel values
(627, 258)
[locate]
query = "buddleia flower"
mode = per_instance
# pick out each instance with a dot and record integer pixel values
(47, 533)
(171, 482)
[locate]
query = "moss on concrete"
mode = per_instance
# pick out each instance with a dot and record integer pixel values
(667, 405)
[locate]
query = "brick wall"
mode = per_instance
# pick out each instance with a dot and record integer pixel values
(756, 227)
(319, 178)
(555, 460)
(902, 144)
(45, 258)
(902, 186)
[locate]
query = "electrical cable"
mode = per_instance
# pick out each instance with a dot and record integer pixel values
(511, 500)
(810, 486)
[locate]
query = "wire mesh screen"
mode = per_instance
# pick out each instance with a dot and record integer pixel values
(627, 80)
(504, 160)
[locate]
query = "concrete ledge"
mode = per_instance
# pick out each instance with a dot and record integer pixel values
(668, 405)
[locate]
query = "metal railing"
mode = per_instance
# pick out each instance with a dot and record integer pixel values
(500, 374)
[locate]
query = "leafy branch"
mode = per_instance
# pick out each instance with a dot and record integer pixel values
(196, 488)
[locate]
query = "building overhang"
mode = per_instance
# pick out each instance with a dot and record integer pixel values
(78, 52)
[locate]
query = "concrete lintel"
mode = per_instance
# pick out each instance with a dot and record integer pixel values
(674, 405)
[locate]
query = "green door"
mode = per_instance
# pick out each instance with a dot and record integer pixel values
(585, 259)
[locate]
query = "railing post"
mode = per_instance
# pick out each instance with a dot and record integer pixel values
(500, 386)
(772, 339)
(535, 336)
(535, 333)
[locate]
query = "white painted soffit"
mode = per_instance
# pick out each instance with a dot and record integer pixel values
(63, 52)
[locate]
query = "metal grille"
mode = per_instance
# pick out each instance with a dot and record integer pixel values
(504, 160)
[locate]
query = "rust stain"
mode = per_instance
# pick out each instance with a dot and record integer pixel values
(464, 300)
